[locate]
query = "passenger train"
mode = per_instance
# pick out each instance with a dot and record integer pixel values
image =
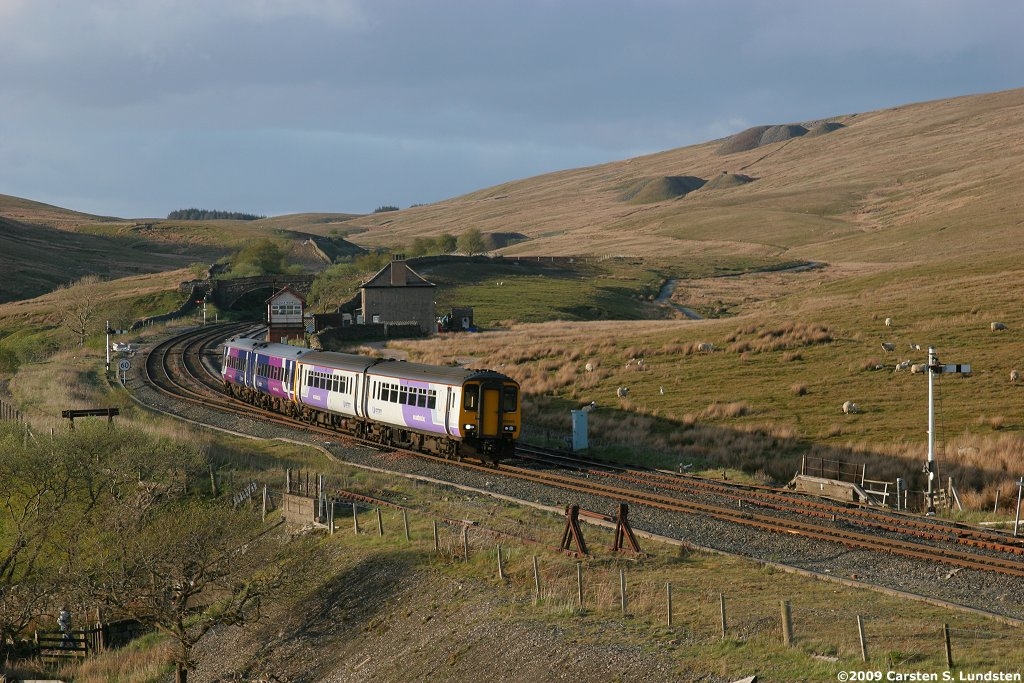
(448, 411)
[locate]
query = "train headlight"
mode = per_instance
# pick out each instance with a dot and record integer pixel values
(510, 428)
(469, 427)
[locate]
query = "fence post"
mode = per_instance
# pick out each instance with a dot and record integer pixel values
(405, 518)
(437, 544)
(380, 523)
(536, 581)
(668, 604)
(101, 640)
(721, 608)
(579, 583)
(863, 640)
(787, 623)
(949, 646)
(465, 543)
(501, 571)
(355, 519)
(622, 589)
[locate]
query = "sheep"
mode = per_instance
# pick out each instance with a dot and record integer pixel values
(997, 326)
(919, 368)
(888, 322)
(589, 367)
(915, 347)
(888, 347)
(622, 392)
(902, 365)
(850, 407)
(705, 347)
(1014, 376)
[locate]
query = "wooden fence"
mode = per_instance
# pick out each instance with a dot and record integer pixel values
(9, 413)
(53, 647)
(559, 584)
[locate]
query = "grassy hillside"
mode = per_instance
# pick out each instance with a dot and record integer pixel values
(925, 182)
(911, 213)
(43, 247)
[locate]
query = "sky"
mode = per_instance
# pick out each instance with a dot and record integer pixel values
(136, 108)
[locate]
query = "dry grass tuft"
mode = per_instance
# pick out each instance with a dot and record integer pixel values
(726, 410)
(126, 664)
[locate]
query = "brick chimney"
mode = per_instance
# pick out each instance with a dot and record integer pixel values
(398, 272)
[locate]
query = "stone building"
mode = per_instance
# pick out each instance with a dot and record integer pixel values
(397, 294)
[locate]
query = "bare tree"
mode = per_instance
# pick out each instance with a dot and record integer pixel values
(185, 568)
(41, 510)
(77, 306)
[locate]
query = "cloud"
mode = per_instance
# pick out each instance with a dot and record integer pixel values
(465, 92)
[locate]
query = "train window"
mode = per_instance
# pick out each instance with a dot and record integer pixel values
(509, 403)
(469, 396)
(432, 399)
(403, 395)
(421, 398)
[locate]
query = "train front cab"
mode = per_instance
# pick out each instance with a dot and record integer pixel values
(490, 417)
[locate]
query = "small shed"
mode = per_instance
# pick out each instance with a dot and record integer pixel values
(459, 320)
(285, 311)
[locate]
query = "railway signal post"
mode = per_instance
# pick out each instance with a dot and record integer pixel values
(936, 368)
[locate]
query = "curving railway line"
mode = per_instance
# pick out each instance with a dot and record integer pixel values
(752, 498)
(185, 370)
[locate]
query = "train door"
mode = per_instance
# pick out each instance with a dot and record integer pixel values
(250, 369)
(286, 379)
(484, 399)
(357, 393)
(490, 410)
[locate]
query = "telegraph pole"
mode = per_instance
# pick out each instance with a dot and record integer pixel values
(935, 368)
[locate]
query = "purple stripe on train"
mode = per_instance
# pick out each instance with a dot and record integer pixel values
(422, 418)
(274, 387)
(312, 396)
(231, 374)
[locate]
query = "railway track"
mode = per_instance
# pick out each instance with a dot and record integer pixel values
(177, 370)
(797, 505)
